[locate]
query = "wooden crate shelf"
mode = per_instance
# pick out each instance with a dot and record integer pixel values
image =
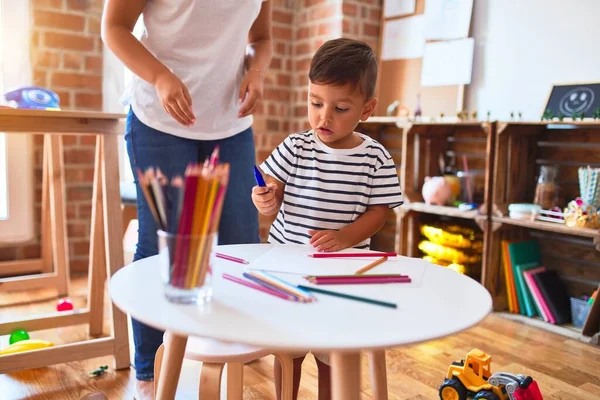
(521, 148)
(549, 227)
(447, 211)
(508, 156)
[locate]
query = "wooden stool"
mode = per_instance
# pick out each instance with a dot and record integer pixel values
(214, 355)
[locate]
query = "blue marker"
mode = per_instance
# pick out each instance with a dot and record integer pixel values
(259, 179)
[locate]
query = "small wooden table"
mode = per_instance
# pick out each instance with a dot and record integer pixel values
(106, 246)
(437, 303)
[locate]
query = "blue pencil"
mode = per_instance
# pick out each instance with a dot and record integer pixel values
(258, 176)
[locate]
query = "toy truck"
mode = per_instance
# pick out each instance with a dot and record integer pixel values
(472, 377)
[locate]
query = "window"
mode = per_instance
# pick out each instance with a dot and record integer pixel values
(16, 175)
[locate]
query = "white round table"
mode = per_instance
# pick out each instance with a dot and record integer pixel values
(438, 302)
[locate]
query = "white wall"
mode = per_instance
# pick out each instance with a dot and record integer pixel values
(522, 47)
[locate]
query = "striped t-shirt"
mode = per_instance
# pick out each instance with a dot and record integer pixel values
(326, 188)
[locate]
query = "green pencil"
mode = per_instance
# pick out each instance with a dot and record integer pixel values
(349, 296)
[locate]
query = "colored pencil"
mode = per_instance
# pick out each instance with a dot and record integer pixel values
(258, 176)
(258, 287)
(189, 209)
(283, 285)
(231, 258)
(358, 281)
(347, 255)
(349, 296)
(272, 287)
(354, 276)
(371, 266)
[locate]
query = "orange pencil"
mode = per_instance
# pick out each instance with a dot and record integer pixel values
(371, 266)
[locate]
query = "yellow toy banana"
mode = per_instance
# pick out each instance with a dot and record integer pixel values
(26, 345)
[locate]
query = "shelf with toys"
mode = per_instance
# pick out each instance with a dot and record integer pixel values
(445, 178)
(540, 258)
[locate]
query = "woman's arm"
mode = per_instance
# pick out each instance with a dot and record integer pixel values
(258, 58)
(118, 20)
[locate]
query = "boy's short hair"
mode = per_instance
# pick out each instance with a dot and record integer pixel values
(342, 61)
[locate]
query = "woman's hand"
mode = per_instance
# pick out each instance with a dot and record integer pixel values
(328, 240)
(175, 98)
(251, 92)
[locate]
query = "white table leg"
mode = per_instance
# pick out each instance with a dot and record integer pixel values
(171, 366)
(345, 376)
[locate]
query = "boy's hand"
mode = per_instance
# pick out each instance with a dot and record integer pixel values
(328, 240)
(175, 98)
(264, 198)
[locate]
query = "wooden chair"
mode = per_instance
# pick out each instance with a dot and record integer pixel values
(214, 355)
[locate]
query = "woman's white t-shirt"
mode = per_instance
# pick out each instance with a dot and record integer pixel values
(203, 42)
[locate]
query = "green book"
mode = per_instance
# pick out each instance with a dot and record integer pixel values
(523, 253)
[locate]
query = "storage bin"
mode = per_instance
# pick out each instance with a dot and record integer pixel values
(579, 311)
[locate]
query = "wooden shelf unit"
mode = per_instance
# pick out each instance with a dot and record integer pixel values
(520, 149)
(422, 144)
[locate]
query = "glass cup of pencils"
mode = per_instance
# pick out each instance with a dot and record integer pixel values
(186, 266)
(187, 211)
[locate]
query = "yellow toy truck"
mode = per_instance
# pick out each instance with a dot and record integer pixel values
(473, 377)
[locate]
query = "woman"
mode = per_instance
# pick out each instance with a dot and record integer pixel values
(198, 76)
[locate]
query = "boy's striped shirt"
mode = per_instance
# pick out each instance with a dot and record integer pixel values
(327, 189)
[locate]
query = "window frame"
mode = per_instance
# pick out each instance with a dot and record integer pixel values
(19, 226)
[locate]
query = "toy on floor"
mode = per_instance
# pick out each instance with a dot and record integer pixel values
(26, 345)
(18, 335)
(97, 372)
(64, 305)
(473, 377)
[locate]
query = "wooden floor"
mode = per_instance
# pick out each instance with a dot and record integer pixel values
(565, 369)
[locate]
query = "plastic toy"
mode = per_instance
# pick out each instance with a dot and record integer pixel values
(97, 372)
(64, 305)
(33, 97)
(18, 335)
(436, 190)
(473, 377)
(26, 345)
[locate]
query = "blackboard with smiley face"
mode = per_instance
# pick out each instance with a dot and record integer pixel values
(574, 99)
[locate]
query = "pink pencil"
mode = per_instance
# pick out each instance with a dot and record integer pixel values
(231, 258)
(257, 287)
(343, 255)
(350, 281)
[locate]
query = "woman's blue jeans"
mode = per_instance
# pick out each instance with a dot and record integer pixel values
(148, 147)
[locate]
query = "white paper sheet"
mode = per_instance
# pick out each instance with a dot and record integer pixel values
(403, 38)
(448, 63)
(397, 8)
(282, 261)
(447, 19)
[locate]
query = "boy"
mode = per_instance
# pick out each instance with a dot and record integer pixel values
(331, 187)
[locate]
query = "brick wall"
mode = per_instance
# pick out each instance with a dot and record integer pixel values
(66, 56)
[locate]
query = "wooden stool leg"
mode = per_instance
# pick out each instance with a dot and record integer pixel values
(345, 376)
(157, 364)
(210, 381)
(378, 374)
(287, 375)
(170, 366)
(235, 381)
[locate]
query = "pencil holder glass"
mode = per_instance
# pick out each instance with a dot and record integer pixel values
(186, 266)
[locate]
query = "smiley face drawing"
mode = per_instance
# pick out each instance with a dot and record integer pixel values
(576, 100)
